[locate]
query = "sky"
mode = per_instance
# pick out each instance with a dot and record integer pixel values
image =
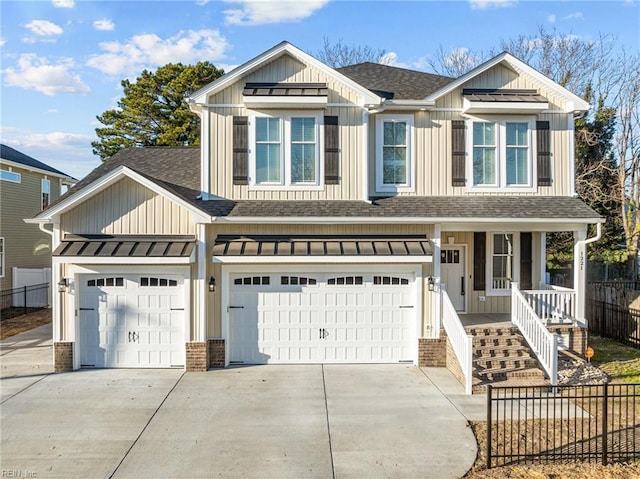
(62, 61)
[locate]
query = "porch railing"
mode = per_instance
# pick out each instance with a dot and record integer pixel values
(461, 342)
(543, 343)
(552, 303)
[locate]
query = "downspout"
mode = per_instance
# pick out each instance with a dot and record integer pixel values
(365, 155)
(597, 236)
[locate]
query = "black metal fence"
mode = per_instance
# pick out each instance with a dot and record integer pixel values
(612, 321)
(544, 424)
(18, 301)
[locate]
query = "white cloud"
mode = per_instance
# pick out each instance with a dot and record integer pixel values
(261, 12)
(484, 4)
(44, 31)
(574, 16)
(202, 3)
(551, 18)
(3, 42)
(149, 50)
(63, 3)
(104, 24)
(36, 73)
(52, 110)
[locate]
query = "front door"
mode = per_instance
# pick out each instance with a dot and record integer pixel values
(452, 274)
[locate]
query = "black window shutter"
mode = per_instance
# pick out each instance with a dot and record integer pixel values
(458, 153)
(240, 150)
(544, 153)
(479, 261)
(331, 151)
(526, 261)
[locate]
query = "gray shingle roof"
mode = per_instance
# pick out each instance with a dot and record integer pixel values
(393, 82)
(11, 154)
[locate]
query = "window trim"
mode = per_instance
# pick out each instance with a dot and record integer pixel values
(409, 186)
(3, 248)
(44, 181)
(11, 172)
(490, 290)
(285, 151)
(501, 154)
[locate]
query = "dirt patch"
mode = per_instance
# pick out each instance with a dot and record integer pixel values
(20, 324)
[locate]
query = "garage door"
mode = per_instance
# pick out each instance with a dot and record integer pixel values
(131, 320)
(322, 318)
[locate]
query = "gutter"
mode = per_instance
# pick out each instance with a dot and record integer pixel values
(597, 236)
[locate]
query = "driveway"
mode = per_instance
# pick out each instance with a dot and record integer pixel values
(297, 421)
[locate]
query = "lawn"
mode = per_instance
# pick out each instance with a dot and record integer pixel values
(620, 362)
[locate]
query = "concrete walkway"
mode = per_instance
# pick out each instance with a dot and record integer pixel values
(297, 421)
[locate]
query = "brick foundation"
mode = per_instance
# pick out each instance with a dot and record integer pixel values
(216, 353)
(432, 352)
(578, 337)
(197, 356)
(63, 357)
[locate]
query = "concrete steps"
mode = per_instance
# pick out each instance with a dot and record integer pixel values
(501, 357)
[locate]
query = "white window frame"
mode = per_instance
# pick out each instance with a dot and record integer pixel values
(3, 246)
(409, 186)
(490, 290)
(285, 152)
(11, 172)
(501, 154)
(45, 181)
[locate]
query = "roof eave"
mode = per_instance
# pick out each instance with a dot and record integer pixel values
(63, 176)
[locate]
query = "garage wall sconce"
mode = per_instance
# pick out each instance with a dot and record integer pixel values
(431, 284)
(62, 285)
(212, 284)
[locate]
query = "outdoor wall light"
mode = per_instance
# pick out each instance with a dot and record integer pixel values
(62, 285)
(212, 284)
(431, 284)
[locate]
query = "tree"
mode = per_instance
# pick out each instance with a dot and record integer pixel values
(338, 54)
(455, 62)
(153, 112)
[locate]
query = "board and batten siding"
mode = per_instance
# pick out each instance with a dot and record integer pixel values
(127, 208)
(25, 246)
(214, 300)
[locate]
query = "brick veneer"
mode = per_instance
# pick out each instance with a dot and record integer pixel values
(197, 356)
(216, 353)
(63, 356)
(577, 337)
(432, 352)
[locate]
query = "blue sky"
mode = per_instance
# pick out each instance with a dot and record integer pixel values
(62, 61)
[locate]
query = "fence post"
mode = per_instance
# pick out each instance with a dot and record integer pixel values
(24, 305)
(605, 425)
(603, 321)
(489, 391)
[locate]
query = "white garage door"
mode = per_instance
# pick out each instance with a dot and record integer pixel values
(129, 320)
(322, 318)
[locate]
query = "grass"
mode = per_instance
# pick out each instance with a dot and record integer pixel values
(619, 361)
(20, 324)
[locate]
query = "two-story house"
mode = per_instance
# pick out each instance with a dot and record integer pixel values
(27, 186)
(320, 219)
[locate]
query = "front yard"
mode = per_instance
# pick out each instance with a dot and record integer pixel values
(20, 324)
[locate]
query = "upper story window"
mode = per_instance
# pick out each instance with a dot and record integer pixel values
(12, 176)
(46, 193)
(286, 151)
(502, 156)
(394, 153)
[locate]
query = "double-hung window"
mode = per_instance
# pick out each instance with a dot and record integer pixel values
(394, 153)
(46, 192)
(502, 261)
(502, 155)
(286, 151)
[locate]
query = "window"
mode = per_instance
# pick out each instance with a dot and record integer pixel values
(297, 280)
(6, 175)
(350, 280)
(46, 192)
(286, 151)
(147, 281)
(501, 154)
(110, 282)
(1, 257)
(394, 153)
(393, 280)
(502, 261)
(252, 280)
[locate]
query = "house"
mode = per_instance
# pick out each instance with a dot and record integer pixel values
(27, 186)
(351, 215)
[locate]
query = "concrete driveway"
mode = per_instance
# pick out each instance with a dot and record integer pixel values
(331, 421)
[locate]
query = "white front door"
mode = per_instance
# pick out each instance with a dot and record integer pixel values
(452, 274)
(129, 320)
(322, 318)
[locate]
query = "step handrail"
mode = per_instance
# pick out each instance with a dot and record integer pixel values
(543, 343)
(461, 342)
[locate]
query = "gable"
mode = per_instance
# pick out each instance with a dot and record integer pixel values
(127, 207)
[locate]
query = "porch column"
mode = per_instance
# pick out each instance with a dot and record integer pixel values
(435, 298)
(200, 314)
(543, 259)
(579, 271)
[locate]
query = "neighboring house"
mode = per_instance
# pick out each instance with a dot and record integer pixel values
(320, 217)
(27, 186)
